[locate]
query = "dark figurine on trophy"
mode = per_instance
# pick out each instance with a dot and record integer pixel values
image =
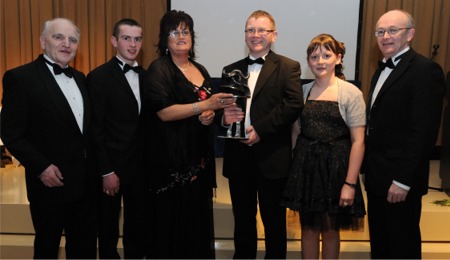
(235, 82)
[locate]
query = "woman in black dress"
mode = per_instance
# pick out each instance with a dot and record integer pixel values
(180, 152)
(323, 184)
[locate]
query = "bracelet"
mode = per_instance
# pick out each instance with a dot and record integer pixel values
(350, 184)
(195, 108)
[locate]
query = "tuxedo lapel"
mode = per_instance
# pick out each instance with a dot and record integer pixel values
(373, 84)
(119, 76)
(141, 86)
(267, 70)
(86, 104)
(62, 107)
(396, 73)
(372, 88)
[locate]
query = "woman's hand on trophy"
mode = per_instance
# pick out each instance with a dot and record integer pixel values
(220, 101)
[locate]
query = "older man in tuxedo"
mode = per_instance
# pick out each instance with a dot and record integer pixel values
(403, 116)
(46, 119)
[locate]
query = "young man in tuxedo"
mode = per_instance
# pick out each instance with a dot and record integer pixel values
(403, 117)
(115, 89)
(46, 122)
(257, 168)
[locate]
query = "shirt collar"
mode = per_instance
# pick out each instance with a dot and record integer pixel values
(396, 60)
(51, 60)
(123, 62)
(253, 58)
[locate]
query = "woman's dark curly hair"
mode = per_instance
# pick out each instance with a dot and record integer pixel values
(169, 22)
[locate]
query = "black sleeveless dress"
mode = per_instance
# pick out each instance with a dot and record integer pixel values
(319, 169)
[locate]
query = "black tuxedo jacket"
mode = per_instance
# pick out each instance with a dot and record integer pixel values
(117, 122)
(276, 103)
(39, 128)
(402, 125)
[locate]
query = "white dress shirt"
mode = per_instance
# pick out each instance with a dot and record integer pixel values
(133, 80)
(72, 93)
(383, 76)
(253, 71)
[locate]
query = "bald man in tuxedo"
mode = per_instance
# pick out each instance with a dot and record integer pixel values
(403, 117)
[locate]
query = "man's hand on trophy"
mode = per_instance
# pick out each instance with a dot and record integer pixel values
(253, 137)
(232, 114)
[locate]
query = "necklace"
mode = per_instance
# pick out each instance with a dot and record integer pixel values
(185, 68)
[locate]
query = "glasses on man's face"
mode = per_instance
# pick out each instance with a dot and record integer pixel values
(390, 31)
(176, 34)
(261, 31)
(130, 39)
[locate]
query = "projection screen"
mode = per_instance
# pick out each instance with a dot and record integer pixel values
(219, 27)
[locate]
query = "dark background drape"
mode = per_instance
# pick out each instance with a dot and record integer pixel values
(21, 24)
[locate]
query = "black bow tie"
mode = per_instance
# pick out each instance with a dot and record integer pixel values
(58, 70)
(127, 67)
(388, 63)
(258, 60)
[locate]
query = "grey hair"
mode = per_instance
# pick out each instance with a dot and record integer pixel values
(49, 23)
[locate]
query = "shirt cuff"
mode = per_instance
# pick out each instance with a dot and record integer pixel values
(223, 124)
(107, 174)
(403, 186)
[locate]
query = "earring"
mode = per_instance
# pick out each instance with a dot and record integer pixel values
(167, 51)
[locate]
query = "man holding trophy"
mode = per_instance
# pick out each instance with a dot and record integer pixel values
(257, 156)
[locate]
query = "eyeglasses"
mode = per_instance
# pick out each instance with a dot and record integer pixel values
(176, 34)
(262, 31)
(130, 39)
(390, 31)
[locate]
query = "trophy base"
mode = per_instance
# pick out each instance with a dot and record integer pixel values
(232, 137)
(240, 96)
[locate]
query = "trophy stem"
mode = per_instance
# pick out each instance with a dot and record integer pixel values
(238, 129)
(229, 131)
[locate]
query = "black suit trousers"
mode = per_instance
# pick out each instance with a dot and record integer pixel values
(108, 226)
(76, 219)
(133, 196)
(247, 190)
(394, 227)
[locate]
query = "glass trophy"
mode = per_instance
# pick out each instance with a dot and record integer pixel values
(236, 83)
